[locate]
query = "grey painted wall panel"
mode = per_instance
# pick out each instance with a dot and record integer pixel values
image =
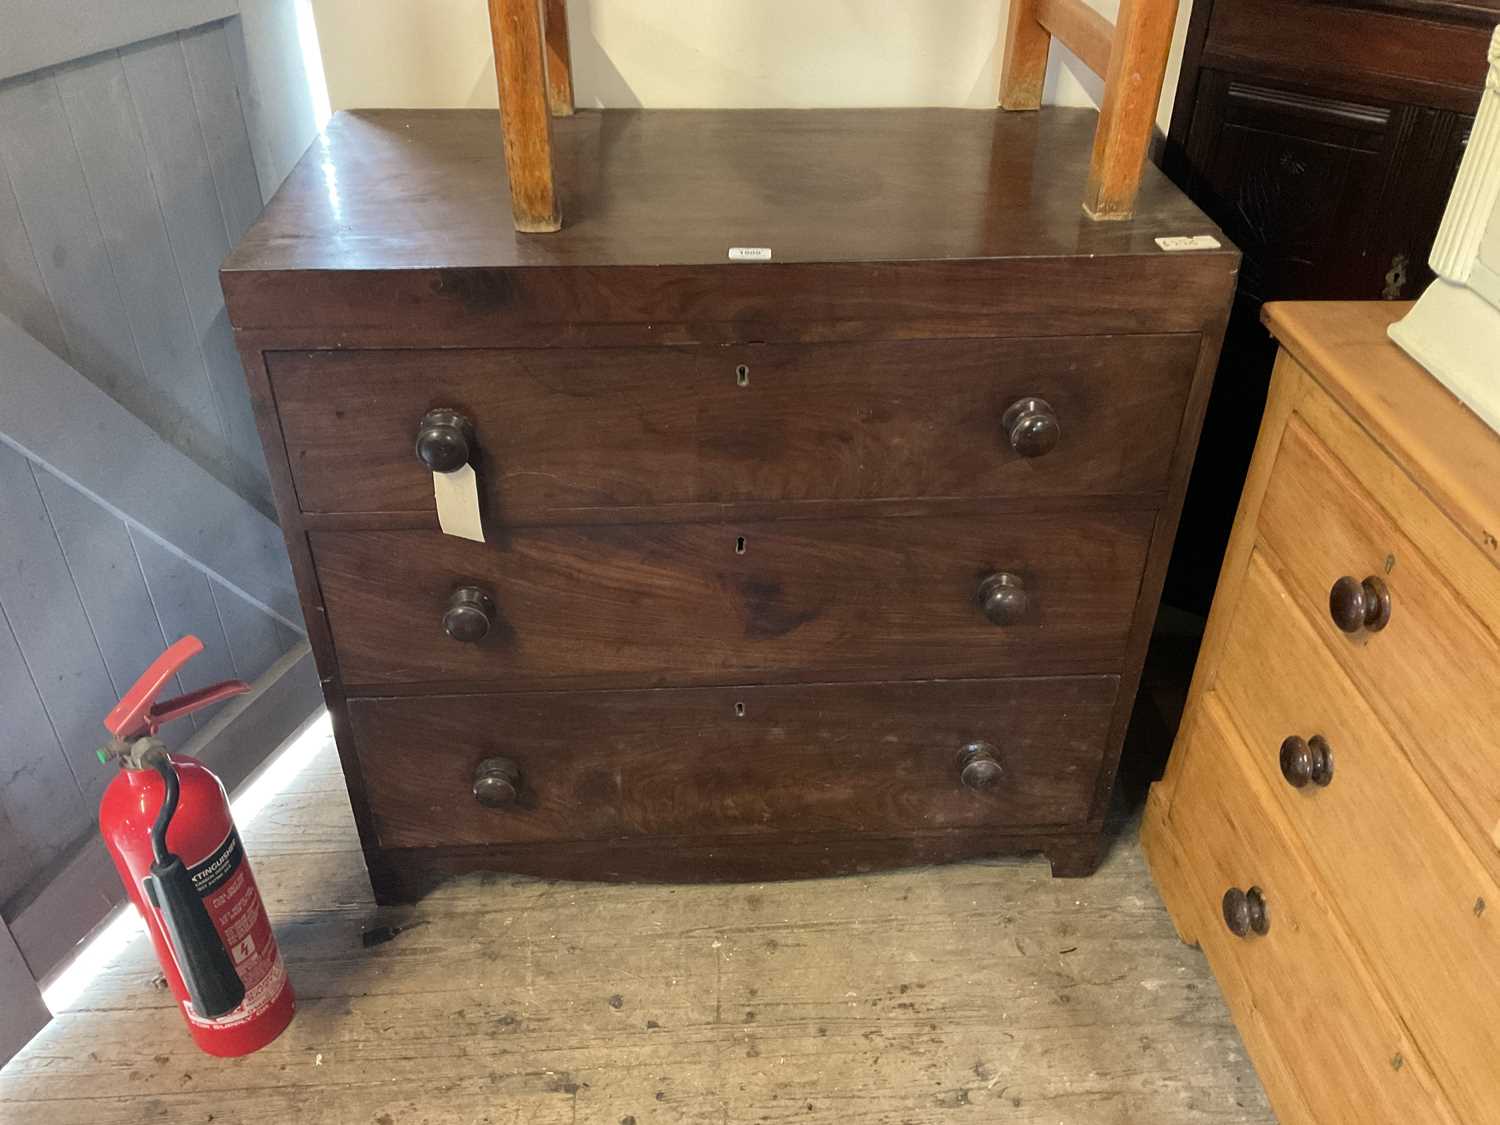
(176, 153)
(110, 583)
(42, 33)
(267, 54)
(20, 999)
(45, 405)
(256, 641)
(44, 810)
(217, 100)
(185, 605)
(57, 215)
(23, 296)
(174, 393)
(50, 626)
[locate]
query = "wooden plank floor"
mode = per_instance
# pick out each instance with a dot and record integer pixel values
(982, 992)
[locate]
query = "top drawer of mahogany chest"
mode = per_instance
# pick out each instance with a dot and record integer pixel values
(559, 432)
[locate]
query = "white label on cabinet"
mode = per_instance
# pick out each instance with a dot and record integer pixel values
(749, 253)
(457, 496)
(1189, 242)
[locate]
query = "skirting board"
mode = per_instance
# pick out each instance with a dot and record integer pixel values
(1455, 334)
(85, 888)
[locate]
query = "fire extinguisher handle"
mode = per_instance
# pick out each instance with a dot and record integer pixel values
(138, 713)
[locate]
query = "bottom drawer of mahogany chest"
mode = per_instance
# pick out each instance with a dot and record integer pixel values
(834, 759)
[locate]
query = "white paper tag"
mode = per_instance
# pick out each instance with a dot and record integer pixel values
(749, 253)
(457, 496)
(1189, 242)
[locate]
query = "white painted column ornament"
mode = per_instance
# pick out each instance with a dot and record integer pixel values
(1454, 328)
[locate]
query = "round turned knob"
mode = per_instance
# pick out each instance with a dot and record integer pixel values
(1245, 912)
(497, 782)
(469, 614)
(1306, 761)
(1003, 598)
(444, 440)
(1031, 425)
(1360, 605)
(979, 766)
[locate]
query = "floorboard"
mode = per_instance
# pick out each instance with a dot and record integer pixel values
(985, 992)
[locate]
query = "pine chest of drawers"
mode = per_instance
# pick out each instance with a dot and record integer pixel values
(1329, 826)
(833, 562)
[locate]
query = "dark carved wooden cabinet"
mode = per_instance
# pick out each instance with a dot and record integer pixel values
(837, 561)
(1323, 138)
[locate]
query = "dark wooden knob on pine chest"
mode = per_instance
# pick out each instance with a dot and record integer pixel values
(1003, 598)
(469, 615)
(1245, 912)
(497, 782)
(1360, 605)
(445, 440)
(979, 767)
(1305, 761)
(1031, 427)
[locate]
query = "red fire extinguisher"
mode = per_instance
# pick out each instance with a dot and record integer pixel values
(165, 819)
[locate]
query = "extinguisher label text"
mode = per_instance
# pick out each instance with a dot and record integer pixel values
(218, 867)
(224, 882)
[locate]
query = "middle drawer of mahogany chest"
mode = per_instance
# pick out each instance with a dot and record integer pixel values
(792, 600)
(564, 430)
(733, 760)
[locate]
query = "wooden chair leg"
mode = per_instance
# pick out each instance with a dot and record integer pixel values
(1132, 89)
(559, 59)
(516, 26)
(1023, 68)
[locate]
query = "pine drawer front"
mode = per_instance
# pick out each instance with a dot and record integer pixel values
(826, 760)
(1299, 989)
(1409, 890)
(561, 433)
(1431, 672)
(794, 600)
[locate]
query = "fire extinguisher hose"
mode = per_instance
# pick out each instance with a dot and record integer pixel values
(213, 984)
(163, 765)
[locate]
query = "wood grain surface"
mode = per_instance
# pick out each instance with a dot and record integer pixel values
(1408, 889)
(656, 605)
(1023, 66)
(559, 58)
(564, 430)
(977, 990)
(1132, 88)
(1429, 673)
(1349, 1059)
(426, 189)
(525, 116)
(824, 760)
(1081, 29)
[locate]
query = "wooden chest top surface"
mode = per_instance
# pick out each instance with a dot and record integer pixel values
(422, 189)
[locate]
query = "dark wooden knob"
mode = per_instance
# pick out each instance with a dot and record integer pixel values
(497, 782)
(469, 614)
(979, 766)
(1245, 912)
(1360, 605)
(445, 440)
(1031, 426)
(1304, 761)
(1003, 597)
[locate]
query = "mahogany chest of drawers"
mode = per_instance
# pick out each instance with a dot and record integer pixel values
(1329, 826)
(837, 561)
